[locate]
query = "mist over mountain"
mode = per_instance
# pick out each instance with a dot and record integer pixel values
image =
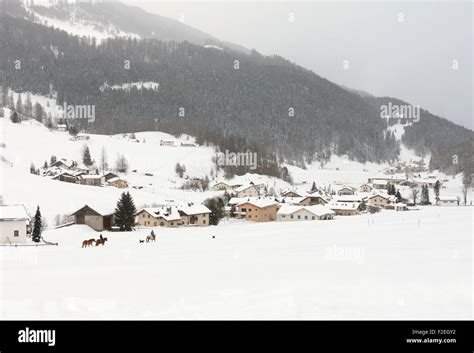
(226, 97)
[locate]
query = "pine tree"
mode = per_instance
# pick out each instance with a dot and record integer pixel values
(125, 212)
(52, 160)
(45, 165)
(32, 168)
(313, 187)
(398, 196)
(38, 112)
(436, 188)
(86, 156)
(14, 117)
(28, 106)
(37, 226)
(217, 207)
(19, 106)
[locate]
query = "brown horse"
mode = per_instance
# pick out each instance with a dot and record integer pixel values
(150, 238)
(87, 243)
(100, 241)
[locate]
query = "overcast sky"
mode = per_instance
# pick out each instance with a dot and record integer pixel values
(400, 49)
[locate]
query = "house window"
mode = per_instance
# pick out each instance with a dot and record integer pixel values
(312, 218)
(299, 217)
(291, 217)
(162, 224)
(16, 233)
(155, 224)
(204, 222)
(283, 216)
(172, 223)
(143, 215)
(305, 217)
(243, 209)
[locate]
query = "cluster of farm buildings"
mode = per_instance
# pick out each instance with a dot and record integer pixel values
(69, 171)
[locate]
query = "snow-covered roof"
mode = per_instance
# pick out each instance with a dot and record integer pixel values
(194, 209)
(448, 198)
(293, 200)
(259, 202)
(380, 194)
(346, 188)
(111, 180)
(320, 210)
(350, 198)
(317, 210)
(91, 176)
(379, 182)
(167, 213)
(67, 162)
(13, 213)
(237, 200)
(102, 210)
(243, 187)
(343, 205)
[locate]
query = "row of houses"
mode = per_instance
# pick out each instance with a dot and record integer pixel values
(164, 216)
(68, 171)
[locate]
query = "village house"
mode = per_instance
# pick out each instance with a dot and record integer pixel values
(258, 210)
(346, 191)
(98, 219)
(66, 177)
(61, 127)
(109, 176)
(118, 183)
(14, 222)
(304, 213)
(380, 184)
(447, 201)
(63, 163)
(365, 188)
(222, 186)
(308, 200)
(396, 206)
(173, 216)
(350, 198)
(167, 143)
(249, 190)
(378, 200)
(89, 179)
(166, 216)
(345, 208)
(197, 215)
(291, 193)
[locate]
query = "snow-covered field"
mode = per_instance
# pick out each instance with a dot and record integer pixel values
(391, 265)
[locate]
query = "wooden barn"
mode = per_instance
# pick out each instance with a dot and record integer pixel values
(95, 218)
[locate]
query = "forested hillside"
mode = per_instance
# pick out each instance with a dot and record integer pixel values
(234, 100)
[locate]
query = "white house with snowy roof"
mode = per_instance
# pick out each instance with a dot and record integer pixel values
(304, 213)
(14, 221)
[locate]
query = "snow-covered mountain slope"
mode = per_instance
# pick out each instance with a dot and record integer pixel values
(79, 27)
